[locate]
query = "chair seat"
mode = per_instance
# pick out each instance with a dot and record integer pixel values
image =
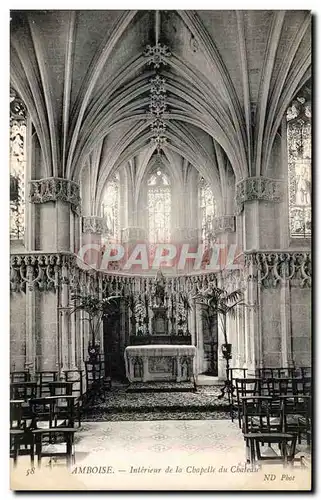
(44, 424)
(55, 429)
(268, 435)
(17, 432)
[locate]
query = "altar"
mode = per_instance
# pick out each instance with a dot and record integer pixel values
(146, 363)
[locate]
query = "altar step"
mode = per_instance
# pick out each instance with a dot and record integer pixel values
(161, 387)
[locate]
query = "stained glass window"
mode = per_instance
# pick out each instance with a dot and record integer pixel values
(299, 167)
(110, 209)
(207, 209)
(159, 207)
(17, 166)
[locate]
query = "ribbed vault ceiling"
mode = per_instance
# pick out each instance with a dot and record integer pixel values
(85, 81)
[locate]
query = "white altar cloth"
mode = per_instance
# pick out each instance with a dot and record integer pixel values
(160, 363)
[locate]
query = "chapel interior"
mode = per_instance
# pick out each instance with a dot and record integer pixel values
(160, 172)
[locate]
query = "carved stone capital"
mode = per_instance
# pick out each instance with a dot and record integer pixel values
(54, 189)
(224, 224)
(94, 225)
(258, 188)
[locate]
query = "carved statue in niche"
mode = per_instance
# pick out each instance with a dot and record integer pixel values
(138, 367)
(181, 318)
(159, 289)
(185, 368)
(140, 317)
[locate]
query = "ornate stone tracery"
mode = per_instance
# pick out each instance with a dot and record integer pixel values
(94, 225)
(272, 269)
(17, 165)
(54, 189)
(258, 188)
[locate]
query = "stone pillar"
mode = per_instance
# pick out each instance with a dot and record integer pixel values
(258, 198)
(54, 201)
(54, 197)
(30, 362)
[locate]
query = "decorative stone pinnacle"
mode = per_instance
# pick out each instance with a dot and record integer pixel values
(157, 54)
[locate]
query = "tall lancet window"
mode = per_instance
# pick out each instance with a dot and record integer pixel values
(17, 166)
(159, 207)
(299, 166)
(207, 209)
(110, 208)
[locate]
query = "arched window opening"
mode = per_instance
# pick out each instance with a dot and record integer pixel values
(159, 206)
(207, 207)
(110, 209)
(17, 166)
(299, 166)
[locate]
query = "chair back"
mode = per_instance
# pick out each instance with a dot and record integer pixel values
(256, 414)
(60, 388)
(75, 376)
(16, 420)
(23, 376)
(43, 378)
(23, 390)
(302, 386)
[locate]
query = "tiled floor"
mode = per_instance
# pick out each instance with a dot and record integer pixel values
(168, 454)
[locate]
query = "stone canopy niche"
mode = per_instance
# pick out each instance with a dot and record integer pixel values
(160, 317)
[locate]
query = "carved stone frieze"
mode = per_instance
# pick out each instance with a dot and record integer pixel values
(54, 189)
(44, 271)
(271, 269)
(94, 225)
(258, 188)
(224, 224)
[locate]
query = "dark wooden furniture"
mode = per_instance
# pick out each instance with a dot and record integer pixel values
(21, 439)
(23, 390)
(232, 393)
(94, 382)
(49, 425)
(59, 388)
(23, 376)
(43, 378)
(285, 442)
(246, 387)
(76, 377)
(260, 428)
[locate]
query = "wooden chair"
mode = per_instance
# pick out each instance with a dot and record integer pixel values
(23, 376)
(296, 415)
(43, 378)
(76, 376)
(232, 394)
(60, 388)
(94, 382)
(23, 390)
(21, 439)
(260, 429)
(48, 427)
(246, 387)
(302, 385)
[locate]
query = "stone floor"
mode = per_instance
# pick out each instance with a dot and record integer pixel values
(163, 455)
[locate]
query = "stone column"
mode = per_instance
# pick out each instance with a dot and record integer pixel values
(54, 202)
(54, 198)
(258, 198)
